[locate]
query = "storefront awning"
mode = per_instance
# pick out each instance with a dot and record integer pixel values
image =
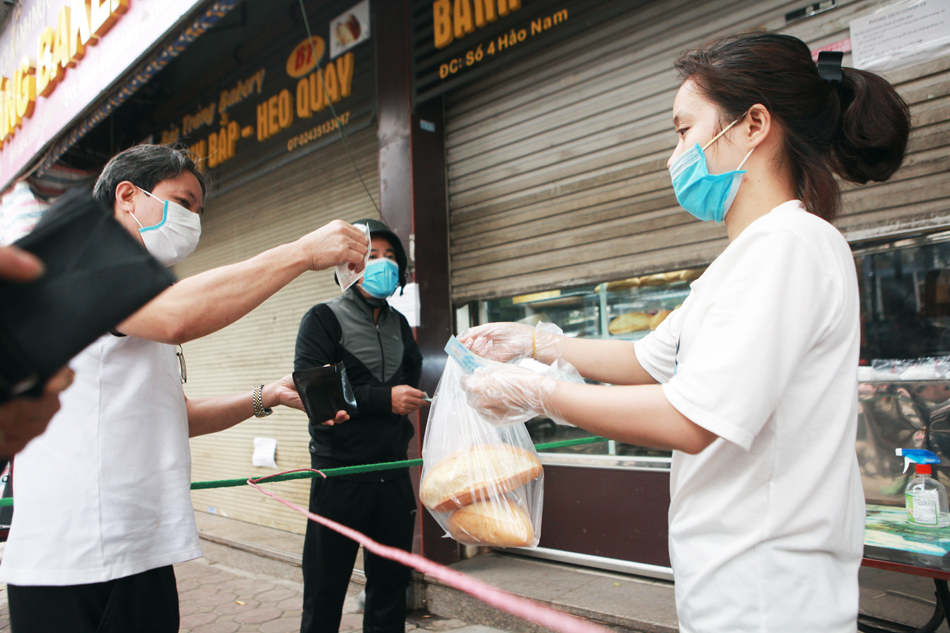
(62, 117)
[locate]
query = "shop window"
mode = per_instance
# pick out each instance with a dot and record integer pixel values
(904, 373)
(905, 299)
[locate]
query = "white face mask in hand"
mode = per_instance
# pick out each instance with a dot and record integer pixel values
(175, 237)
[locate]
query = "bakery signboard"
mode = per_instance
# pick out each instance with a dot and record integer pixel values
(282, 101)
(457, 41)
(58, 56)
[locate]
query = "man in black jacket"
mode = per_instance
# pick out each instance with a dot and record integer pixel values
(384, 364)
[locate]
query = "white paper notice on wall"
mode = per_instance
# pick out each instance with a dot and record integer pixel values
(265, 448)
(408, 303)
(901, 34)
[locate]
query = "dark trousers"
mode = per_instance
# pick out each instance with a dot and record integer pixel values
(384, 511)
(144, 603)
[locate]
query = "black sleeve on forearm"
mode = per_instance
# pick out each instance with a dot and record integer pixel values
(411, 356)
(373, 400)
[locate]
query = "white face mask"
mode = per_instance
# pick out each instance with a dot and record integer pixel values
(175, 237)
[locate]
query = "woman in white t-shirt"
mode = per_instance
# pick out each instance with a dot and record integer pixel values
(753, 381)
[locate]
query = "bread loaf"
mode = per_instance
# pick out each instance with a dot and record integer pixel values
(654, 280)
(476, 474)
(691, 273)
(629, 322)
(623, 284)
(498, 522)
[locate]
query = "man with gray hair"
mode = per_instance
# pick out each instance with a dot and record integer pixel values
(103, 508)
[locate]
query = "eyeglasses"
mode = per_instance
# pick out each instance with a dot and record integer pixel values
(181, 365)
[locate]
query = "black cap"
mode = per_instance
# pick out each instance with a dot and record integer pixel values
(377, 228)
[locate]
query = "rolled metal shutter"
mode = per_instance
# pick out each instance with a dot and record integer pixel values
(557, 165)
(914, 199)
(274, 209)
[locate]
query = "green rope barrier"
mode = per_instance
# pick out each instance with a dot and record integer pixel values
(349, 470)
(561, 444)
(329, 472)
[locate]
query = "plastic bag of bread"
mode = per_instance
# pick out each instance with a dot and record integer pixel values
(483, 484)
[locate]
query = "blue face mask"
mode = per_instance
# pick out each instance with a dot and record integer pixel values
(706, 196)
(381, 277)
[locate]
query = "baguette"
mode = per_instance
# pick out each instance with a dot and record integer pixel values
(655, 280)
(623, 284)
(691, 273)
(498, 522)
(477, 474)
(629, 322)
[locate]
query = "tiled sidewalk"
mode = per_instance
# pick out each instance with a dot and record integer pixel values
(218, 599)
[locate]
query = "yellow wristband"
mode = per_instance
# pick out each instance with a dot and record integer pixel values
(534, 353)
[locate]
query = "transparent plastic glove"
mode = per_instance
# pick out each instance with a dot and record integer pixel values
(503, 342)
(509, 395)
(560, 371)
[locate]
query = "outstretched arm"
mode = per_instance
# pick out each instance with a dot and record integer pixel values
(209, 301)
(639, 415)
(210, 415)
(613, 362)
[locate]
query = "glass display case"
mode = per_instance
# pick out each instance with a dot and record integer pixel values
(904, 373)
(626, 309)
(905, 298)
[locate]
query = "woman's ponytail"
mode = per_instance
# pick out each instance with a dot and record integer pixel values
(875, 124)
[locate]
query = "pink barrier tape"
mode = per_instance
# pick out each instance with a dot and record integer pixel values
(515, 605)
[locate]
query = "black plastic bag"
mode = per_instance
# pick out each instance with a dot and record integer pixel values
(97, 275)
(324, 391)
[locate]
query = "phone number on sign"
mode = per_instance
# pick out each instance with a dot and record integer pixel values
(314, 133)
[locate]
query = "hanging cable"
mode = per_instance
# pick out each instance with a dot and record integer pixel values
(339, 123)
